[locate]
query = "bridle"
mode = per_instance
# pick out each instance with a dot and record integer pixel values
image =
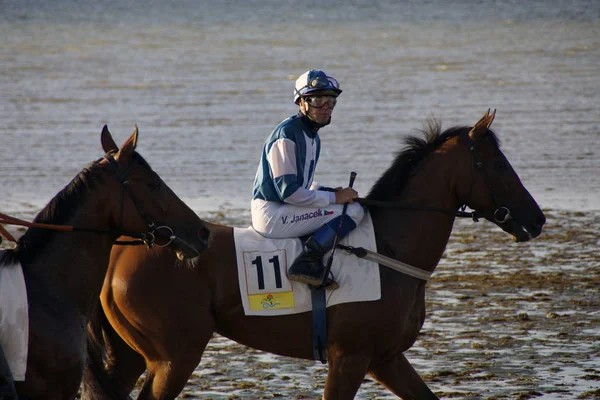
(500, 215)
(147, 238)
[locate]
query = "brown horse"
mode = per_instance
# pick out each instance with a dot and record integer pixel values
(64, 270)
(161, 320)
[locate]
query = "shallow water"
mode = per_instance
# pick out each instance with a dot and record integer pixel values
(207, 82)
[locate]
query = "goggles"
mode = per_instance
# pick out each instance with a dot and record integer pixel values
(320, 101)
(323, 82)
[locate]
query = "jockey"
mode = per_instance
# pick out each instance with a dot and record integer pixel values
(286, 201)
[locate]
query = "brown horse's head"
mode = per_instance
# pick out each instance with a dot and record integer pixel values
(142, 201)
(494, 188)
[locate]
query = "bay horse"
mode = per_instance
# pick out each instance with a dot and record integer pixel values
(162, 319)
(64, 269)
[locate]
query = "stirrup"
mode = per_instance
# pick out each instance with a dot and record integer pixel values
(329, 284)
(313, 281)
(308, 266)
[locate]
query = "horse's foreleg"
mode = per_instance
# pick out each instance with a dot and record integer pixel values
(114, 374)
(165, 380)
(346, 373)
(124, 365)
(401, 379)
(167, 376)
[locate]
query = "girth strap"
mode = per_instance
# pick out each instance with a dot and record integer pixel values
(319, 331)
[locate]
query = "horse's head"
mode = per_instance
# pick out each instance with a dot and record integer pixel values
(494, 188)
(142, 202)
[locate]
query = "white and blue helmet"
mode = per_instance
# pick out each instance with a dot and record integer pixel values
(315, 80)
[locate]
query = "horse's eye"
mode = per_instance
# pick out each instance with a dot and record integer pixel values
(155, 186)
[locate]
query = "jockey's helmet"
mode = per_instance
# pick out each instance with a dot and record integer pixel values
(315, 80)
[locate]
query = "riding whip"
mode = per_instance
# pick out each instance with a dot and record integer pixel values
(337, 235)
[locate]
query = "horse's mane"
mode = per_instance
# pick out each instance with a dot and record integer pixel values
(57, 212)
(416, 150)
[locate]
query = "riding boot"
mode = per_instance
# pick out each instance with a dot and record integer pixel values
(7, 385)
(308, 267)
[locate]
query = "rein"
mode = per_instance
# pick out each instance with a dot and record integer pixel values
(147, 238)
(8, 220)
(474, 215)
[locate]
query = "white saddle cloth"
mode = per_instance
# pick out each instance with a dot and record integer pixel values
(266, 289)
(14, 319)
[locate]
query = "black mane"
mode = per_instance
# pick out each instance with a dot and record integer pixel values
(57, 212)
(416, 150)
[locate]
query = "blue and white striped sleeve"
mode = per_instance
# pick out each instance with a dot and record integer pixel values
(282, 164)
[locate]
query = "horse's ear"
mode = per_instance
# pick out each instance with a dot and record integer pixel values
(482, 125)
(126, 152)
(108, 143)
(132, 141)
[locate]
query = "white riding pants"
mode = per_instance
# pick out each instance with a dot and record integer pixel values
(282, 220)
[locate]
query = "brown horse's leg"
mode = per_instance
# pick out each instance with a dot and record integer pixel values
(166, 377)
(124, 365)
(165, 380)
(401, 379)
(346, 373)
(115, 374)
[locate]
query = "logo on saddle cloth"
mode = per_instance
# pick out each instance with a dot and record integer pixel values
(262, 273)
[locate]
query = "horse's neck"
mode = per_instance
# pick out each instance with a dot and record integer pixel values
(419, 237)
(73, 264)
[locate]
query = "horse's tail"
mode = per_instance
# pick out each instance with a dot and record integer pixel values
(97, 384)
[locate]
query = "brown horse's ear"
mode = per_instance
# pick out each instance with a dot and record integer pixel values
(126, 152)
(108, 143)
(482, 125)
